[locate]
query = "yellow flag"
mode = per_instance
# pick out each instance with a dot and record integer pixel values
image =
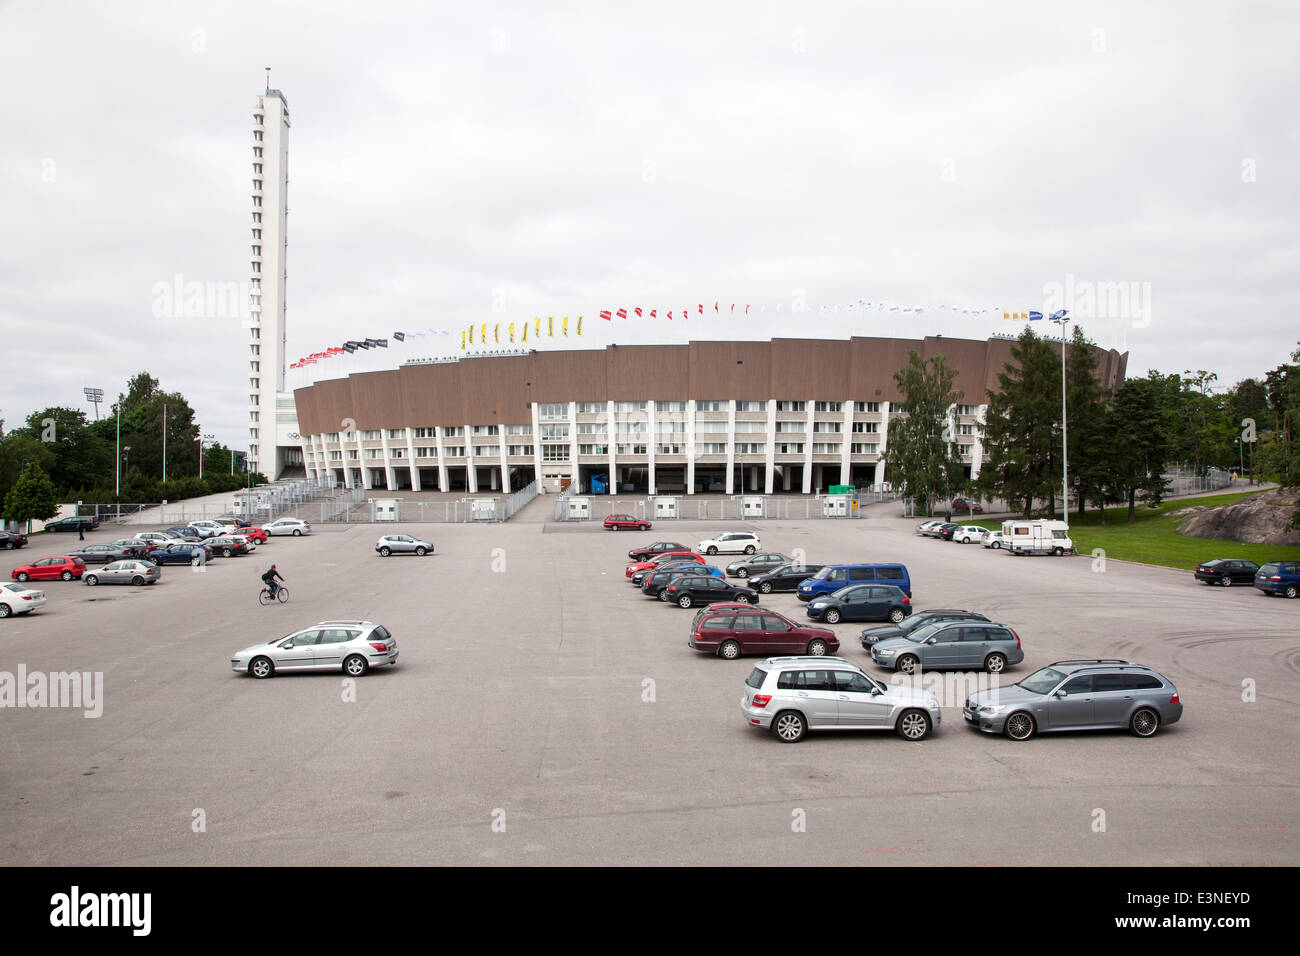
(483, 337)
(1006, 316)
(496, 333)
(550, 326)
(564, 326)
(512, 331)
(537, 328)
(525, 331)
(579, 325)
(462, 340)
(471, 335)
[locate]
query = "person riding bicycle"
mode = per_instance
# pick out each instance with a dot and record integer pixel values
(269, 580)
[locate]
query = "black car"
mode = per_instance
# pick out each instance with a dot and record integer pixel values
(687, 590)
(654, 581)
(659, 547)
(861, 602)
(785, 578)
(73, 523)
(12, 539)
(102, 553)
(946, 530)
(755, 564)
(873, 634)
(1226, 572)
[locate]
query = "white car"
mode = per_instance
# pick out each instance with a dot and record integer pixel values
(18, 599)
(293, 526)
(993, 540)
(736, 542)
(925, 527)
(206, 529)
(968, 533)
(157, 537)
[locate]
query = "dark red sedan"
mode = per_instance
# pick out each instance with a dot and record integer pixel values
(730, 631)
(626, 523)
(61, 568)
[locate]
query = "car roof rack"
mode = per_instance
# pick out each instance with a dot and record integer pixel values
(1098, 661)
(809, 657)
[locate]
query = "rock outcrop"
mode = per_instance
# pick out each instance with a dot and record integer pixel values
(1259, 519)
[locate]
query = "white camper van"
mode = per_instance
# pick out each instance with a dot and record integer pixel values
(1037, 537)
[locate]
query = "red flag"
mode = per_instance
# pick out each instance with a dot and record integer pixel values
(622, 313)
(652, 313)
(701, 308)
(747, 310)
(670, 315)
(604, 314)
(733, 307)
(715, 306)
(637, 310)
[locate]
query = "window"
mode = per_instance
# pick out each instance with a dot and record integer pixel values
(371, 434)
(519, 450)
(632, 428)
(826, 427)
(519, 429)
(631, 449)
(791, 406)
(425, 451)
(789, 448)
(670, 406)
(710, 448)
(591, 428)
(593, 449)
(805, 680)
(332, 436)
(790, 426)
(669, 427)
(710, 406)
(397, 433)
(454, 451)
(425, 432)
(629, 406)
(751, 426)
(336, 456)
(751, 406)
(487, 451)
(828, 406)
(555, 433)
(965, 410)
(485, 430)
(896, 408)
(453, 431)
(964, 450)
(555, 453)
(352, 454)
(397, 453)
(863, 448)
(866, 406)
(553, 410)
(590, 408)
(826, 448)
(866, 428)
(374, 452)
(751, 448)
(965, 429)
(710, 427)
(662, 449)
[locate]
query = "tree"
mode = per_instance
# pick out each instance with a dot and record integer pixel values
(18, 449)
(920, 456)
(1022, 427)
(1138, 445)
(80, 455)
(32, 497)
(1087, 419)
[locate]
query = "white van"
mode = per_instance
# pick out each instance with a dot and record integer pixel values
(1043, 536)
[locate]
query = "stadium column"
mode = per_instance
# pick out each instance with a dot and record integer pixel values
(361, 462)
(537, 447)
(505, 465)
(471, 470)
(390, 478)
(977, 444)
(881, 445)
(650, 446)
(769, 459)
(811, 405)
(731, 446)
(690, 446)
(846, 462)
(410, 457)
(611, 417)
(442, 458)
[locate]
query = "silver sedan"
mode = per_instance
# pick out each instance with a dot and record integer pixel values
(124, 572)
(351, 646)
(402, 544)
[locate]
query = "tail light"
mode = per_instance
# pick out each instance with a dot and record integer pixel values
(1017, 636)
(907, 600)
(761, 700)
(380, 647)
(1174, 699)
(1276, 577)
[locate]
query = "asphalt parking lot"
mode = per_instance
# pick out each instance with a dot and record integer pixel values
(544, 712)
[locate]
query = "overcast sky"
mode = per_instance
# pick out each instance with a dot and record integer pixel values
(490, 162)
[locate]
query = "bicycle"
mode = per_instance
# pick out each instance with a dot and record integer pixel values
(281, 595)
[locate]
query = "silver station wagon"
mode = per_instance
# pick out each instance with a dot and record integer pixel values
(350, 646)
(124, 572)
(1077, 695)
(793, 695)
(951, 645)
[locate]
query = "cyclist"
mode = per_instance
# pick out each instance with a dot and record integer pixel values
(269, 580)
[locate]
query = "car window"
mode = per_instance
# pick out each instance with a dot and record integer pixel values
(1000, 634)
(718, 623)
(1106, 682)
(773, 623)
(1141, 682)
(306, 638)
(805, 680)
(1078, 685)
(756, 677)
(849, 681)
(838, 575)
(973, 634)
(380, 632)
(949, 635)
(338, 636)
(889, 574)
(748, 622)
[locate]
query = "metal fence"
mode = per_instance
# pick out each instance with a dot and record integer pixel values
(1182, 483)
(732, 508)
(261, 503)
(353, 507)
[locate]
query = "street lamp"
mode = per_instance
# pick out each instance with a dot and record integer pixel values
(1062, 317)
(94, 396)
(126, 462)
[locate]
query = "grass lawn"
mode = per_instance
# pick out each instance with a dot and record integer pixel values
(1154, 539)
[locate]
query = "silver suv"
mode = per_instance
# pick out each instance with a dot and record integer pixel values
(1077, 695)
(792, 695)
(351, 646)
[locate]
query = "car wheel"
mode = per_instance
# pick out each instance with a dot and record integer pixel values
(1290, 591)
(137, 580)
(907, 664)
(1057, 552)
(913, 725)
(22, 576)
(644, 527)
(789, 727)
(663, 596)
(1019, 726)
(1144, 722)
(261, 667)
(385, 551)
(712, 549)
(91, 579)
(355, 666)
(297, 532)
(729, 650)
(750, 549)
(684, 601)
(1226, 581)
(765, 587)
(832, 616)
(65, 576)
(742, 573)
(5, 610)
(743, 599)
(817, 648)
(896, 615)
(420, 551)
(995, 663)
(997, 545)
(227, 553)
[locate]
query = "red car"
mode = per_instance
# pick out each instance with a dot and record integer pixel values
(966, 506)
(626, 523)
(659, 547)
(731, 630)
(256, 535)
(659, 559)
(61, 567)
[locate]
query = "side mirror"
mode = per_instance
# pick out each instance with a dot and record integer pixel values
(287, 644)
(1061, 693)
(932, 640)
(876, 691)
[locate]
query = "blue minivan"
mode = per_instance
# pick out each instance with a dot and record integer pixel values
(832, 577)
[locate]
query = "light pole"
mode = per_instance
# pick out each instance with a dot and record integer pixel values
(94, 396)
(164, 444)
(209, 439)
(1063, 317)
(117, 487)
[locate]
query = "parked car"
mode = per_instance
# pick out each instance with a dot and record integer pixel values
(206, 529)
(663, 558)
(227, 546)
(993, 540)
(1042, 536)
(861, 602)
(158, 538)
(687, 590)
(951, 645)
(756, 564)
(1226, 572)
(234, 521)
(125, 572)
(872, 635)
(652, 550)
(925, 527)
(180, 552)
(626, 523)
(185, 531)
(391, 544)
(655, 581)
(255, 535)
(969, 534)
(104, 553)
(966, 506)
(12, 539)
(17, 599)
(350, 646)
(60, 567)
(832, 577)
(1077, 695)
(1279, 577)
(793, 695)
(945, 531)
(734, 542)
(73, 523)
(291, 526)
(785, 578)
(729, 632)
(134, 547)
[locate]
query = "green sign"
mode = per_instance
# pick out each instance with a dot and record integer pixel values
(841, 489)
